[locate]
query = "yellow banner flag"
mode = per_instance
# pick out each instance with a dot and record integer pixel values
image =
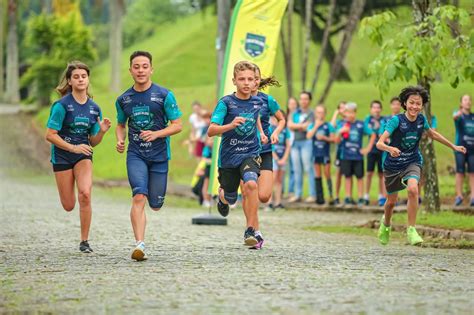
(253, 36)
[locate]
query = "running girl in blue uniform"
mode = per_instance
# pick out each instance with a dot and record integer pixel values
(153, 116)
(402, 158)
(322, 135)
(235, 118)
(75, 125)
(270, 108)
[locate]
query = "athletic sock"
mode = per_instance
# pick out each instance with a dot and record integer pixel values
(329, 183)
(366, 197)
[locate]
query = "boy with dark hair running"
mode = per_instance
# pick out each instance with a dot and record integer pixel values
(402, 158)
(153, 116)
(235, 118)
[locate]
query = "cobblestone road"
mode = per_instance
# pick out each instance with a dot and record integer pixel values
(202, 270)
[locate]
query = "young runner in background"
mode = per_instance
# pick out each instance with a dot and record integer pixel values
(269, 109)
(336, 121)
(464, 123)
(350, 136)
(281, 154)
(322, 135)
(374, 158)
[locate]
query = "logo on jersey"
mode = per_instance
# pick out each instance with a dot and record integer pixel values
(93, 111)
(80, 126)
(469, 128)
(410, 140)
(70, 108)
(248, 127)
(141, 117)
(354, 136)
(126, 99)
(254, 45)
(155, 98)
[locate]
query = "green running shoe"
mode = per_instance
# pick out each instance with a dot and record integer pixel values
(413, 237)
(384, 232)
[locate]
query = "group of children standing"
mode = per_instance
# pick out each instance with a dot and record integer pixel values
(254, 148)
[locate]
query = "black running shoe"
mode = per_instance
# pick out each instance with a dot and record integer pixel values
(85, 248)
(249, 237)
(222, 208)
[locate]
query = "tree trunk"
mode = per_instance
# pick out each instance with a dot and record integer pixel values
(117, 8)
(223, 21)
(307, 42)
(12, 93)
(324, 44)
(47, 6)
(431, 198)
(330, 53)
(422, 9)
(288, 48)
(355, 13)
(2, 39)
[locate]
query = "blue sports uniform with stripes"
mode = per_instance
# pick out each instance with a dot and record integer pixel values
(75, 123)
(405, 135)
(269, 108)
(464, 136)
(320, 147)
(242, 142)
(147, 162)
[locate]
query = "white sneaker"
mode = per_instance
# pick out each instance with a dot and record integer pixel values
(310, 199)
(138, 253)
(294, 199)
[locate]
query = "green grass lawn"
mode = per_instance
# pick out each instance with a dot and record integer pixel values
(443, 219)
(398, 237)
(184, 60)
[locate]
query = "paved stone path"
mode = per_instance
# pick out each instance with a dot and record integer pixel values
(203, 270)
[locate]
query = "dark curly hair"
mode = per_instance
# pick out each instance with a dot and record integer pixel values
(413, 90)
